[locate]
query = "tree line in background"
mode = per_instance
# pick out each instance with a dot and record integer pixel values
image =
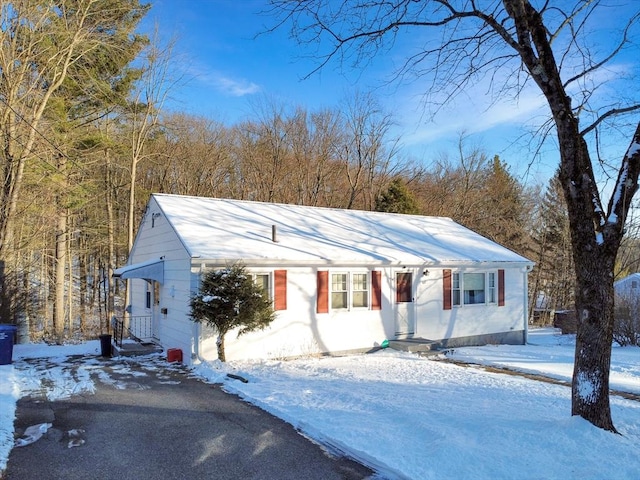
(86, 138)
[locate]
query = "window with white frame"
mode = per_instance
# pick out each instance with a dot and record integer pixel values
(359, 289)
(339, 292)
(349, 290)
(263, 280)
(274, 284)
(491, 287)
(148, 295)
(477, 288)
(455, 289)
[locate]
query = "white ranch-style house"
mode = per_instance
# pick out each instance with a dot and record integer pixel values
(341, 280)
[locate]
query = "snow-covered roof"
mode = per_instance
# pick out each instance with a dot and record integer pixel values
(223, 229)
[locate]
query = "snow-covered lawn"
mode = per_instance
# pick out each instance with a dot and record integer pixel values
(414, 417)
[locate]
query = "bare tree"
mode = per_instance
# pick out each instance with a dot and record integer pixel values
(55, 62)
(143, 109)
(515, 42)
(367, 151)
(143, 112)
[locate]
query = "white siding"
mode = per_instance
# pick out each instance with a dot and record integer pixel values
(300, 330)
(435, 323)
(628, 287)
(157, 239)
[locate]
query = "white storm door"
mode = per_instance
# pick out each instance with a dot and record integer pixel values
(404, 304)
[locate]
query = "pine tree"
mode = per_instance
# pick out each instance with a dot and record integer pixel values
(397, 199)
(554, 276)
(504, 208)
(229, 298)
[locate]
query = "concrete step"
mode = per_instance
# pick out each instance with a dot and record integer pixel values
(416, 345)
(130, 349)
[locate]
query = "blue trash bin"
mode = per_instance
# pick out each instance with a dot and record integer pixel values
(7, 332)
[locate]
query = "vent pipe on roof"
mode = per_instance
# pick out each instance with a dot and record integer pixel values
(274, 234)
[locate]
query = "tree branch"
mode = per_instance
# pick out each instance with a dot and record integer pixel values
(610, 113)
(609, 57)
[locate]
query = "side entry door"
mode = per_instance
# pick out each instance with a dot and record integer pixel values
(404, 304)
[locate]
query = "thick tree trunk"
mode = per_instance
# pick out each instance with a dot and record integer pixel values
(220, 345)
(594, 260)
(594, 311)
(595, 240)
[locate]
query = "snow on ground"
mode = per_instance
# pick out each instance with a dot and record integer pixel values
(413, 417)
(551, 353)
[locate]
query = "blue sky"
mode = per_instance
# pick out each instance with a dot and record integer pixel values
(229, 71)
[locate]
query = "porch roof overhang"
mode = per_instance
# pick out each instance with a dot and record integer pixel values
(149, 270)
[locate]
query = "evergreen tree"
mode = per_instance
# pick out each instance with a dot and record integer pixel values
(505, 212)
(229, 298)
(397, 199)
(554, 277)
(62, 64)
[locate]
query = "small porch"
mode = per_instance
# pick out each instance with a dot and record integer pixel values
(136, 339)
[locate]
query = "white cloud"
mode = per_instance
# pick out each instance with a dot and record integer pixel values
(472, 112)
(234, 87)
(476, 111)
(221, 82)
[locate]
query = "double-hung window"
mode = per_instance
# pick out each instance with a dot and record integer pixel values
(275, 287)
(473, 288)
(491, 287)
(349, 290)
(359, 289)
(339, 292)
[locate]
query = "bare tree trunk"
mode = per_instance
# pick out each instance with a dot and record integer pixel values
(69, 296)
(83, 274)
(60, 263)
(111, 243)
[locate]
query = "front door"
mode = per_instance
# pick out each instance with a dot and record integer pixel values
(152, 330)
(404, 305)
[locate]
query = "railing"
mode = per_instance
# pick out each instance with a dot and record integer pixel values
(140, 329)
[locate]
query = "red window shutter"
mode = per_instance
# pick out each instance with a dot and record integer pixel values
(446, 289)
(376, 290)
(280, 290)
(501, 288)
(323, 292)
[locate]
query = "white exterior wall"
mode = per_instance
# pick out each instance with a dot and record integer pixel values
(628, 287)
(300, 330)
(156, 239)
(435, 323)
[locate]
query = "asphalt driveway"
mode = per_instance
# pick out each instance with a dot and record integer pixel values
(152, 420)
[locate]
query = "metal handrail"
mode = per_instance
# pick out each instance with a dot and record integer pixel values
(140, 329)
